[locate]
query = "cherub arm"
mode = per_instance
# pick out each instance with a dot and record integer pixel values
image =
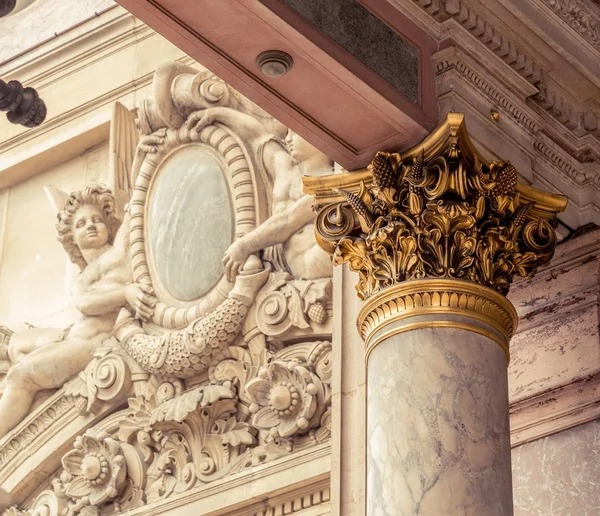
(275, 230)
(101, 302)
(244, 126)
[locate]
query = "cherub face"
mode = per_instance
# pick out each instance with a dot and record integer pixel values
(300, 149)
(89, 228)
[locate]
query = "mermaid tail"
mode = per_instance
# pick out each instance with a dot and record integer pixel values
(193, 350)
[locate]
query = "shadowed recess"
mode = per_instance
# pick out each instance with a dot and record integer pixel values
(367, 38)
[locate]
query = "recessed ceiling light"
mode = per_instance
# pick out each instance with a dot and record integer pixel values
(274, 63)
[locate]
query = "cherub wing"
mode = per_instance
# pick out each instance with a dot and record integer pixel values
(122, 146)
(56, 197)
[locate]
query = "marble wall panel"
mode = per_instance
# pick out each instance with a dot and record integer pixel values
(554, 354)
(557, 342)
(559, 475)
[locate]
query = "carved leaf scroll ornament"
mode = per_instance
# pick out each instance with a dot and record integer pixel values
(438, 212)
(171, 437)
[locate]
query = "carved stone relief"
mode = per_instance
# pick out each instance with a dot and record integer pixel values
(205, 306)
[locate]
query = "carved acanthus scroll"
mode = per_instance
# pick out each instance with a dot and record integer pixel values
(170, 439)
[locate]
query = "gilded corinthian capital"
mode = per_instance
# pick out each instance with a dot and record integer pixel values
(437, 211)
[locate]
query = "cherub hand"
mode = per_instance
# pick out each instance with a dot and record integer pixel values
(235, 258)
(149, 143)
(199, 120)
(141, 299)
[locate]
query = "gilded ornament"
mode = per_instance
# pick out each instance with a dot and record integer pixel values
(438, 211)
(435, 230)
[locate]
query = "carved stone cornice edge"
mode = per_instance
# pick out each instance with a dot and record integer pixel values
(492, 33)
(579, 16)
(571, 155)
(555, 410)
(455, 304)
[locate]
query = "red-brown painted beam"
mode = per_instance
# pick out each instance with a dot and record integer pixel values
(329, 97)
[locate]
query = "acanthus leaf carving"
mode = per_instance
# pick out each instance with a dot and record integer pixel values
(448, 215)
(171, 438)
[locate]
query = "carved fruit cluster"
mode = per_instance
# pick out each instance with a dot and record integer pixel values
(444, 216)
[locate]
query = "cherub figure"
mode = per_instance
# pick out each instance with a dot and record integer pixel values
(288, 233)
(95, 240)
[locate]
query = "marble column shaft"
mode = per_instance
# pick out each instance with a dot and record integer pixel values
(437, 426)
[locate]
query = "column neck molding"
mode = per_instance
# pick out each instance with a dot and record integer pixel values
(434, 302)
(438, 217)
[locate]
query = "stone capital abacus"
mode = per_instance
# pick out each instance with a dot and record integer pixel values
(436, 231)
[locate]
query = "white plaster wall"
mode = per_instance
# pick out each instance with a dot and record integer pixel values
(42, 20)
(560, 474)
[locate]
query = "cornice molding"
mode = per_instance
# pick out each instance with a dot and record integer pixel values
(91, 41)
(488, 33)
(582, 174)
(570, 113)
(453, 58)
(555, 410)
(560, 159)
(580, 120)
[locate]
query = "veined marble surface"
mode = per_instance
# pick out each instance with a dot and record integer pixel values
(190, 222)
(559, 475)
(437, 426)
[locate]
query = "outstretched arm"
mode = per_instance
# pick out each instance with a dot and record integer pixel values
(275, 230)
(245, 127)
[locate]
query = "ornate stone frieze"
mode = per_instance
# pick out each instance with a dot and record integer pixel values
(580, 16)
(171, 439)
(205, 308)
(422, 227)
